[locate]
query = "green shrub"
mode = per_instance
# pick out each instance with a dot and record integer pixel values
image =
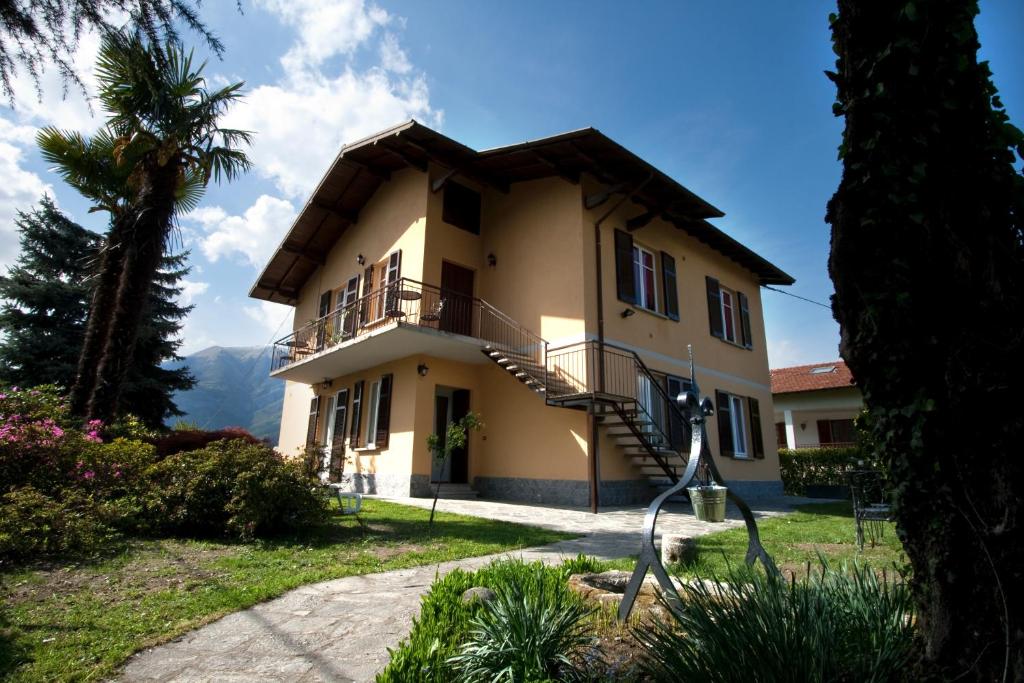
(827, 466)
(444, 620)
(835, 625)
(528, 632)
(232, 488)
(34, 525)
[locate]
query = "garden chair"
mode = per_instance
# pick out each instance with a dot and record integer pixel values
(871, 506)
(434, 314)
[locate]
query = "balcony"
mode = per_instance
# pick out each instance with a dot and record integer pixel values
(400, 319)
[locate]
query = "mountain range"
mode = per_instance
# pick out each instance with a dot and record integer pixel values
(233, 389)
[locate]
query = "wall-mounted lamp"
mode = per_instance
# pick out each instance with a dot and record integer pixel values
(626, 312)
(492, 260)
(327, 383)
(360, 260)
(803, 426)
(422, 369)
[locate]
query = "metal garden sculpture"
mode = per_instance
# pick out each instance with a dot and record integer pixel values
(695, 410)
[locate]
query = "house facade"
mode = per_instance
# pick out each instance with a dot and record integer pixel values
(815, 405)
(551, 287)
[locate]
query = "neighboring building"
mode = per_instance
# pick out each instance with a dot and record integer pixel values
(551, 286)
(815, 405)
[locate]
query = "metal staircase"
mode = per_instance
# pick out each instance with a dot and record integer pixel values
(614, 383)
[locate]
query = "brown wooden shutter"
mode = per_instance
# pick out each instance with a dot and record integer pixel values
(357, 414)
(824, 432)
(340, 418)
(383, 412)
(624, 280)
(756, 435)
(715, 307)
(724, 411)
(314, 413)
(747, 339)
(780, 435)
(669, 286)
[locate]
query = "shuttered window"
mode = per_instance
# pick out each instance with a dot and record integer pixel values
(670, 291)
(314, 413)
(739, 425)
(729, 314)
(624, 275)
(364, 300)
(461, 207)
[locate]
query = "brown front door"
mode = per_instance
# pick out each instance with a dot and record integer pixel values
(457, 292)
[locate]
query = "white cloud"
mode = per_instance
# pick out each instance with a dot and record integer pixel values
(392, 56)
(302, 120)
(326, 28)
(190, 290)
(252, 236)
(272, 318)
(19, 189)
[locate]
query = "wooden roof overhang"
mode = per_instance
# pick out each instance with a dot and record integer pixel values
(361, 167)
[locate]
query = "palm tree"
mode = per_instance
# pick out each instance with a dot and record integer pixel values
(161, 146)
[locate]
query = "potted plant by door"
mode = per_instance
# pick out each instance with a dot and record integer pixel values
(708, 498)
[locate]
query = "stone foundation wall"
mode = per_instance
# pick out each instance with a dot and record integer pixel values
(563, 491)
(394, 485)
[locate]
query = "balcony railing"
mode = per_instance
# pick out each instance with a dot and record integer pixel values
(407, 302)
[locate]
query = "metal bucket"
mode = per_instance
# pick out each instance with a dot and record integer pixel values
(708, 502)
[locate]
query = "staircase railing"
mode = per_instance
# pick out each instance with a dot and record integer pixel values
(528, 350)
(605, 373)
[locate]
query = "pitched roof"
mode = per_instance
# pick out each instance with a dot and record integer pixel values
(830, 375)
(361, 167)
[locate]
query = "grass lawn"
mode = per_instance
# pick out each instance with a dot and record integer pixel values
(81, 621)
(793, 540)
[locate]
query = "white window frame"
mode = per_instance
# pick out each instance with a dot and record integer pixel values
(373, 404)
(728, 318)
(643, 298)
(738, 418)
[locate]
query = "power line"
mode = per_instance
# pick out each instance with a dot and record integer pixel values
(810, 301)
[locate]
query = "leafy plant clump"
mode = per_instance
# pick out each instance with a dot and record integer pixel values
(445, 622)
(834, 625)
(524, 635)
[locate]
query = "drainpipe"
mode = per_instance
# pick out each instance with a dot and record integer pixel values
(591, 417)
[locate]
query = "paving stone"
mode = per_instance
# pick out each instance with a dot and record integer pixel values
(340, 630)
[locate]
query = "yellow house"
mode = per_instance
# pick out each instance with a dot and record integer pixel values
(551, 286)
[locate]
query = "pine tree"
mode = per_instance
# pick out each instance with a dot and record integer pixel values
(46, 301)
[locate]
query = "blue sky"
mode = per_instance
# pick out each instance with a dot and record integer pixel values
(728, 98)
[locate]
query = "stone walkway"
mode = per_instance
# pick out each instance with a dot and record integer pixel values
(340, 630)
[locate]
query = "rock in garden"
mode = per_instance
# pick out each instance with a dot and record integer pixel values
(677, 549)
(478, 593)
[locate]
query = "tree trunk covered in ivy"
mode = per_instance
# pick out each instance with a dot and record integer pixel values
(928, 267)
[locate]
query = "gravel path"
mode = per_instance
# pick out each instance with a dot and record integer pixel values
(341, 630)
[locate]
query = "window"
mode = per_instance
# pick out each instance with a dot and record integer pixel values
(728, 317)
(461, 207)
(637, 277)
(739, 432)
(780, 435)
(739, 426)
(729, 314)
(831, 432)
(314, 413)
(371, 416)
(378, 412)
(644, 278)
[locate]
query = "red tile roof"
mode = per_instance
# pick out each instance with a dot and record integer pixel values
(828, 375)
